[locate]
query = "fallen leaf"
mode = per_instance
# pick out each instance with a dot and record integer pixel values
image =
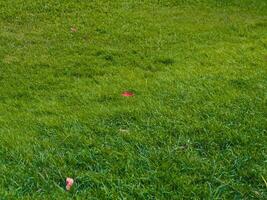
(124, 130)
(69, 183)
(127, 94)
(73, 29)
(183, 147)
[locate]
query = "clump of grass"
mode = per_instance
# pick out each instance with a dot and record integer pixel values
(166, 61)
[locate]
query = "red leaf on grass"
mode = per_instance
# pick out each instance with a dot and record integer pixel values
(127, 94)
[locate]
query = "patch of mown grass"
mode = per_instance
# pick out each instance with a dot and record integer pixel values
(195, 128)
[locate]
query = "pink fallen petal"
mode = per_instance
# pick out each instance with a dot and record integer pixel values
(127, 94)
(69, 183)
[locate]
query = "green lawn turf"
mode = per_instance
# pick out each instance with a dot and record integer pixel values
(195, 129)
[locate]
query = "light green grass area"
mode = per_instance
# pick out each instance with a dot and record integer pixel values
(195, 129)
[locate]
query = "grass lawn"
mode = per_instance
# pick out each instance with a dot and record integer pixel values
(195, 128)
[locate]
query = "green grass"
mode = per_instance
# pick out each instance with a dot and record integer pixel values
(195, 129)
